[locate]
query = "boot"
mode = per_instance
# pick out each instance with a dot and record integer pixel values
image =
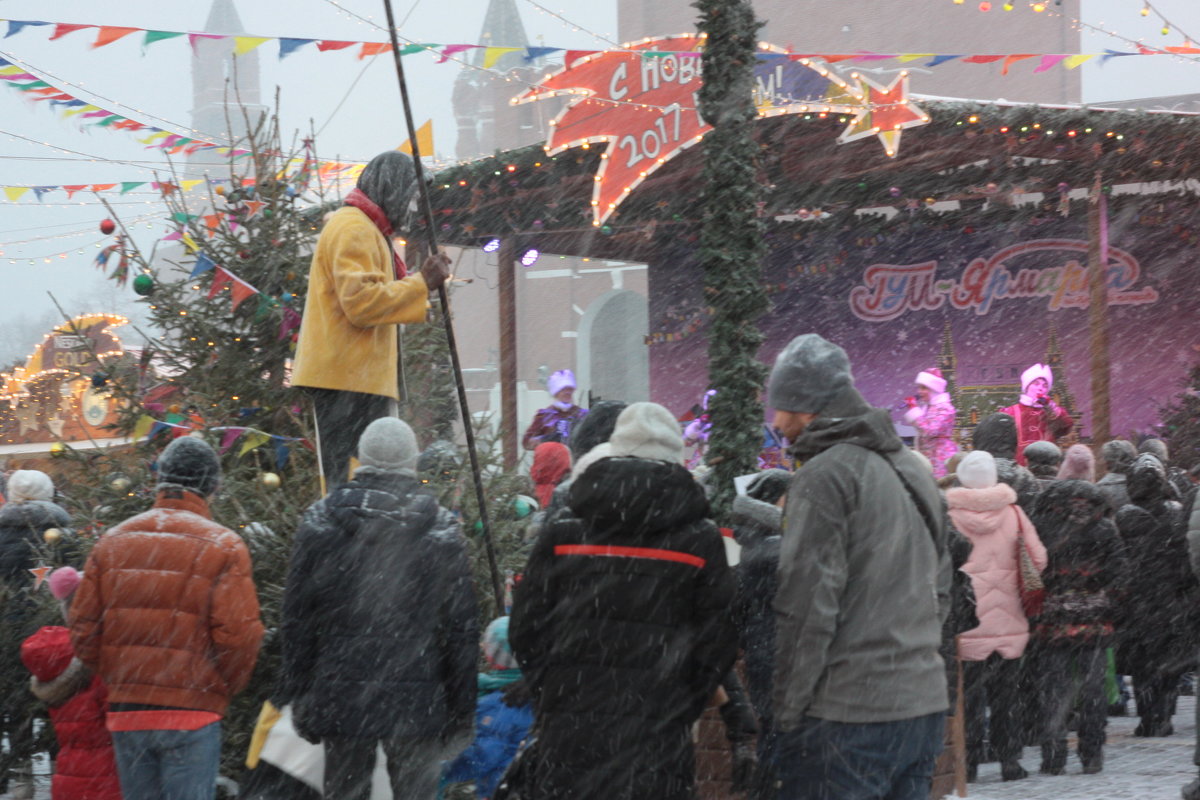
(21, 782)
(1094, 765)
(1054, 758)
(1012, 770)
(1192, 790)
(973, 774)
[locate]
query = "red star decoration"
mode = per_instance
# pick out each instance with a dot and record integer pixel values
(888, 111)
(39, 574)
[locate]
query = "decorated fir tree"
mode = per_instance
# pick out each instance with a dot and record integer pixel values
(1181, 423)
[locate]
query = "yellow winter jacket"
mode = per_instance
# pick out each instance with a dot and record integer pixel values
(348, 336)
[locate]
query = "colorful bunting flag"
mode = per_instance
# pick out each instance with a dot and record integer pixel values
(63, 28)
(493, 54)
(373, 49)
(221, 279)
(110, 33)
(253, 440)
(289, 46)
(158, 36)
(244, 44)
(240, 291)
(203, 264)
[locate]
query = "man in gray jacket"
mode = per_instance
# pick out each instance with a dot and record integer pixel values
(864, 576)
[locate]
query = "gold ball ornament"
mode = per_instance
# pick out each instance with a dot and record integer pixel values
(121, 484)
(57, 450)
(270, 480)
(52, 535)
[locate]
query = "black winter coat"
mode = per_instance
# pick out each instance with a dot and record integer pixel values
(757, 528)
(1087, 564)
(380, 624)
(1158, 615)
(623, 629)
(997, 434)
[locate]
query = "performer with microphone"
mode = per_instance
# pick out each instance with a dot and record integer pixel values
(1038, 417)
(932, 413)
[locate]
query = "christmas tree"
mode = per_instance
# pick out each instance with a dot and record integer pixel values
(1181, 423)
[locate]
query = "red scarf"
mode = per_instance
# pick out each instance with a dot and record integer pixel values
(358, 200)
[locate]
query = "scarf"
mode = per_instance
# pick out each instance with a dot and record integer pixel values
(497, 679)
(357, 199)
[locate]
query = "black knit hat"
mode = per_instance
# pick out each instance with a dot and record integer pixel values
(191, 463)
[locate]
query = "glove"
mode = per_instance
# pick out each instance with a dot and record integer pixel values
(745, 762)
(910, 402)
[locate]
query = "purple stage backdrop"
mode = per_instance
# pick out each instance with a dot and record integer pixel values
(994, 297)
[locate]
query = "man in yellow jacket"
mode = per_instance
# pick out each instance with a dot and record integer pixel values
(359, 290)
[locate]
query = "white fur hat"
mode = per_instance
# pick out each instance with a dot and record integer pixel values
(647, 430)
(1033, 373)
(29, 484)
(977, 470)
(932, 380)
(560, 380)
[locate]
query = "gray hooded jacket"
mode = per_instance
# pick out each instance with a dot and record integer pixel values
(863, 583)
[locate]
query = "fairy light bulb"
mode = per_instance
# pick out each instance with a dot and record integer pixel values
(1145, 11)
(985, 6)
(1008, 6)
(1166, 30)
(1039, 7)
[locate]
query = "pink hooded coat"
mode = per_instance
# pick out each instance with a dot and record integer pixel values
(987, 518)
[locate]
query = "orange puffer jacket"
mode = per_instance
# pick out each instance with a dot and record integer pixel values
(167, 614)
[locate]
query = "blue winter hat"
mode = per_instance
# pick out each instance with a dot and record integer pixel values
(809, 373)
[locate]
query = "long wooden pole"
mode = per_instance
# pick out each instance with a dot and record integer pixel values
(1098, 314)
(456, 366)
(508, 350)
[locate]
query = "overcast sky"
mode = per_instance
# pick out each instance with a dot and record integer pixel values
(312, 85)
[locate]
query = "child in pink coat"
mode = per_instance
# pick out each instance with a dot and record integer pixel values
(986, 512)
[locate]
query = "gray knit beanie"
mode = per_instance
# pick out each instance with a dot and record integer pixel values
(1043, 453)
(807, 375)
(191, 463)
(389, 444)
(1118, 455)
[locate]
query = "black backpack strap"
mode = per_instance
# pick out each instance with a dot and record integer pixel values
(922, 509)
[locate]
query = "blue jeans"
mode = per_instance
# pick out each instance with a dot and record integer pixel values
(169, 765)
(824, 760)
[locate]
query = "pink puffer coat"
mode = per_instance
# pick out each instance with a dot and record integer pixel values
(989, 518)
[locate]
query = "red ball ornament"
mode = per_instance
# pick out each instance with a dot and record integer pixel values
(107, 226)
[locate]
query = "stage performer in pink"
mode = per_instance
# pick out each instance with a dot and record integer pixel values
(554, 422)
(932, 413)
(1038, 417)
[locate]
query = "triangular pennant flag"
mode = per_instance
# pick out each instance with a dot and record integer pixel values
(534, 53)
(409, 49)
(244, 44)
(451, 50)
(15, 193)
(41, 190)
(493, 54)
(196, 37)
(203, 265)
(212, 222)
(291, 321)
(103, 187)
(1049, 61)
(328, 44)
(157, 428)
(254, 439)
(229, 437)
(110, 33)
(574, 55)
(71, 190)
(241, 291)
(942, 59)
(289, 46)
(282, 452)
(1014, 58)
(424, 140)
(904, 58)
(373, 49)
(189, 243)
(142, 426)
(1114, 54)
(253, 207)
(187, 186)
(80, 110)
(180, 216)
(1082, 58)
(15, 26)
(221, 279)
(174, 236)
(63, 28)
(157, 36)
(129, 186)
(982, 59)
(25, 87)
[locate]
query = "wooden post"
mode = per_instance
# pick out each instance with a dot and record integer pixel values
(509, 424)
(1098, 314)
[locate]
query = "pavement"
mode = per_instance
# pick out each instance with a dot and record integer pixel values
(1134, 768)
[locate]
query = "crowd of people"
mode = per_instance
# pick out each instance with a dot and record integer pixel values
(860, 585)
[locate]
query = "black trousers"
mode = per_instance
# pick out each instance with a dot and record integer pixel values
(993, 686)
(341, 419)
(413, 767)
(1067, 672)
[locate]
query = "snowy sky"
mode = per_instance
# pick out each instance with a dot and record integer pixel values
(313, 85)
